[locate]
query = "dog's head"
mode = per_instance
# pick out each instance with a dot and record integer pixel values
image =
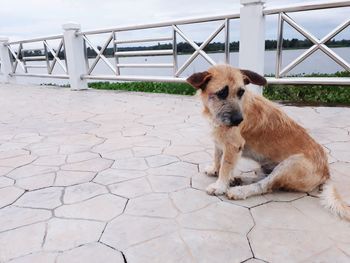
(222, 90)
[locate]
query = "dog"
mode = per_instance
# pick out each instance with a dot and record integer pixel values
(247, 125)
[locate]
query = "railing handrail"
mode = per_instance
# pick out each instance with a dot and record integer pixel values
(163, 24)
(37, 39)
(305, 7)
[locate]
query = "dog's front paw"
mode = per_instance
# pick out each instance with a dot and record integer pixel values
(217, 188)
(236, 193)
(211, 171)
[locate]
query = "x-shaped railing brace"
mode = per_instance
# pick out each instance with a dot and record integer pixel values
(318, 44)
(55, 57)
(17, 60)
(198, 49)
(100, 54)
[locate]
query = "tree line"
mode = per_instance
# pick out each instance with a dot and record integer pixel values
(185, 48)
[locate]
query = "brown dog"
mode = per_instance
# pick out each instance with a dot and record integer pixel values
(248, 125)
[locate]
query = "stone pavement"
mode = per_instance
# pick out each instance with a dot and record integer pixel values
(103, 176)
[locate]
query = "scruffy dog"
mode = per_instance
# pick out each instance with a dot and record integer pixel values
(248, 125)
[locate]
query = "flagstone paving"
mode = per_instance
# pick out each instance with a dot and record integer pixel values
(103, 176)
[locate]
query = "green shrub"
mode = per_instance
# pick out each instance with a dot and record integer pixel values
(153, 87)
(286, 93)
(311, 93)
(308, 93)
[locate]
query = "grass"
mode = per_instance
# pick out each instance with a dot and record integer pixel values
(304, 94)
(311, 93)
(285, 93)
(153, 87)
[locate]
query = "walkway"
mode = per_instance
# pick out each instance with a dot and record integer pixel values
(103, 176)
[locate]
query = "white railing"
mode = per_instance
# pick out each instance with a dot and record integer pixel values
(318, 44)
(76, 66)
(175, 31)
(19, 57)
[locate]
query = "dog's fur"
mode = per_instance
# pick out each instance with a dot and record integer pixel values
(248, 125)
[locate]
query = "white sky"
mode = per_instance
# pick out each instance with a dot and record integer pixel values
(21, 19)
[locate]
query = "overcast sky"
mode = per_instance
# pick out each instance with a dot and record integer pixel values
(32, 18)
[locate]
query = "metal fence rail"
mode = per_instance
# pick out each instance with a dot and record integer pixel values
(19, 57)
(175, 31)
(76, 66)
(318, 44)
(306, 7)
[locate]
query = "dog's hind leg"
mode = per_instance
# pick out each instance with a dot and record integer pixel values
(259, 174)
(295, 173)
(248, 179)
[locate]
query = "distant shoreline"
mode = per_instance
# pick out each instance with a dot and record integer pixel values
(184, 48)
(237, 51)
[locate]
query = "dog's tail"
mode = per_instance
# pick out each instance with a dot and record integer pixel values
(331, 200)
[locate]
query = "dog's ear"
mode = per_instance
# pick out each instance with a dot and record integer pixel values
(252, 77)
(199, 80)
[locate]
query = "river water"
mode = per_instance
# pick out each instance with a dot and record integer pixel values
(316, 63)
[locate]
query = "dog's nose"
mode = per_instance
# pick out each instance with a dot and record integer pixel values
(235, 120)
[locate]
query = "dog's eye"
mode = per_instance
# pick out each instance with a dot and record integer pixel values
(223, 93)
(240, 92)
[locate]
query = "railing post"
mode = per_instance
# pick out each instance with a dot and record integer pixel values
(252, 38)
(74, 47)
(6, 66)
